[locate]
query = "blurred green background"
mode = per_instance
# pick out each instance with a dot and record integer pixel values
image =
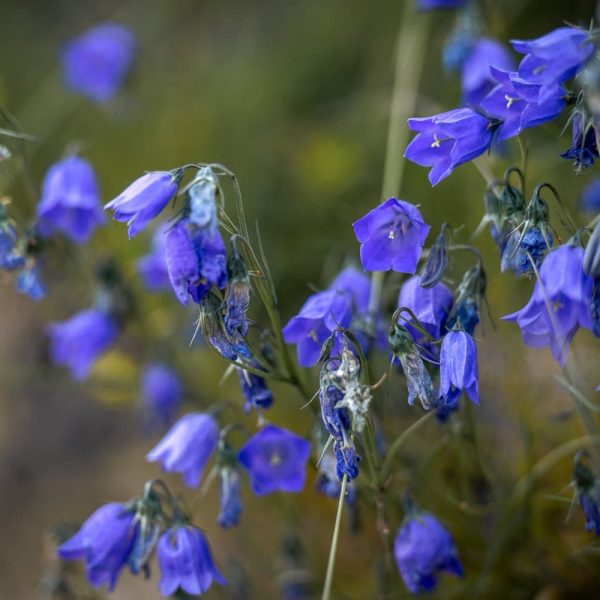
(294, 98)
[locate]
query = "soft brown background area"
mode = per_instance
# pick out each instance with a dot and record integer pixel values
(294, 98)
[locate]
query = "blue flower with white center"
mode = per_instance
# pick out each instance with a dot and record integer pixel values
(187, 447)
(70, 202)
(186, 562)
(275, 459)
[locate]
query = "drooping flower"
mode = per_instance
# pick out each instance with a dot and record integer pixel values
(524, 248)
(590, 197)
(70, 202)
(584, 150)
(559, 305)
(477, 79)
(469, 295)
(162, 392)
(153, 266)
(391, 236)
(436, 263)
(434, 4)
(423, 548)
(187, 447)
(323, 312)
(328, 481)
(231, 501)
(186, 562)
(78, 342)
(255, 389)
(145, 198)
(276, 460)
(554, 57)
(448, 140)
(96, 63)
(104, 541)
(29, 281)
(237, 296)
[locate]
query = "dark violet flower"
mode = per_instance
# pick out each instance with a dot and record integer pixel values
(29, 282)
(153, 266)
(391, 236)
(448, 140)
(346, 298)
(162, 392)
(559, 305)
(584, 150)
(554, 57)
(255, 390)
(520, 104)
(70, 202)
(477, 79)
(466, 315)
(231, 501)
(434, 4)
(187, 447)
(423, 548)
(328, 483)
(589, 504)
(595, 307)
(347, 459)
(276, 460)
(96, 63)
(458, 367)
(590, 197)
(521, 249)
(104, 541)
(78, 342)
(186, 562)
(145, 198)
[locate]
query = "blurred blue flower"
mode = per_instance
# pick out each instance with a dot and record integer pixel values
(328, 482)
(590, 197)
(187, 447)
(186, 562)
(276, 460)
(433, 4)
(145, 198)
(29, 282)
(104, 541)
(70, 202)
(79, 341)
(448, 140)
(231, 501)
(458, 368)
(584, 150)
(391, 236)
(458, 48)
(153, 266)
(255, 389)
(162, 393)
(559, 305)
(423, 547)
(96, 63)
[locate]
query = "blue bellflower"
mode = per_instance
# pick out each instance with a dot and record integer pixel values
(328, 481)
(323, 312)
(186, 562)
(153, 266)
(584, 150)
(231, 501)
(162, 392)
(96, 63)
(521, 249)
(423, 548)
(276, 460)
(145, 198)
(255, 389)
(187, 447)
(391, 236)
(559, 305)
(104, 541)
(70, 202)
(448, 140)
(78, 342)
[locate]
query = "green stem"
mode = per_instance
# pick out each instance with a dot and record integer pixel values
(334, 542)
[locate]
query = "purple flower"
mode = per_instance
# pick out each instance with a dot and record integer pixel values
(554, 57)
(590, 197)
(559, 305)
(423, 547)
(276, 460)
(323, 312)
(186, 562)
(433, 4)
(585, 146)
(29, 282)
(328, 482)
(477, 78)
(187, 447)
(162, 392)
(78, 342)
(521, 249)
(70, 201)
(96, 63)
(255, 389)
(520, 104)
(145, 198)
(391, 236)
(458, 367)
(153, 266)
(231, 502)
(448, 140)
(104, 541)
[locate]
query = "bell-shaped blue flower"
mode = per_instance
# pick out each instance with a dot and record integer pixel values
(70, 202)
(231, 501)
(584, 150)
(186, 562)
(559, 305)
(275, 459)
(162, 392)
(145, 198)
(153, 266)
(96, 63)
(525, 251)
(255, 389)
(448, 140)
(328, 482)
(424, 547)
(187, 447)
(458, 367)
(104, 541)
(391, 236)
(78, 342)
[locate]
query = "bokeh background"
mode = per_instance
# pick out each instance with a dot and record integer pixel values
(294, 98)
